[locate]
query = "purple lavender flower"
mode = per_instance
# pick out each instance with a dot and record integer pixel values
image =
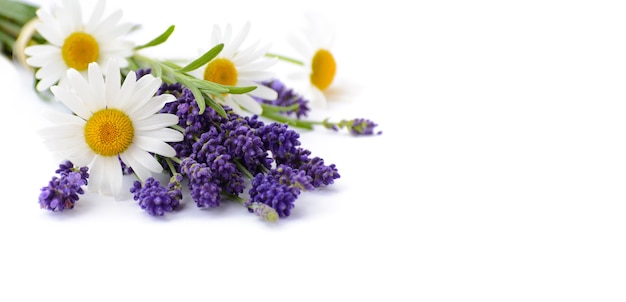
(142, 72)
(156, 199)
(320, 173)
(280, 140)
(262, 210)
(293, 178)
(189, 117)
(209, 150)
(62, 192)
(266, 189)
(126, 170)
(243, 143)
(360, 126)
(203, 189)
(286, 98)
(67, 167)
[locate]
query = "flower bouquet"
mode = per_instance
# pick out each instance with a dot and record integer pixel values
(221, 127)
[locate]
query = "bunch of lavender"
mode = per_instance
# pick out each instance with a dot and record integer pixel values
(222, 156)
(62, 191)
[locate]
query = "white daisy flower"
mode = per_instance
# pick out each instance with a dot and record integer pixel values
(110, 120)
(235, 67)
(315, 44)
(74, 44)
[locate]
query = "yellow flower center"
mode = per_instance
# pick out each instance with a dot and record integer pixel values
(221, 71)
(323, 69)
(80, 49)
(109, 132)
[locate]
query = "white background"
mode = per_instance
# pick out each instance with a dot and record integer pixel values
(499, 175)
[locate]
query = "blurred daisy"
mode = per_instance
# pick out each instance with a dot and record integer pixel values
(111, 122)
(74, 44)
(239, 67)
(315, 44)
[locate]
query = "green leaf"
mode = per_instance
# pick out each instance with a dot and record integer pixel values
(217, 107)
(239, 90)
(205, 58)
(197, 94)
(158, 40)
(208, 87)
(17, 11)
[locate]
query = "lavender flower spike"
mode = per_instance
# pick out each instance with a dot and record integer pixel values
(357, 126)
(62, 192)
(262, 210)
(266, 189)
(156, 199)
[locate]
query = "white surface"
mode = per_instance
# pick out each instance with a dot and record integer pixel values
(499, 177)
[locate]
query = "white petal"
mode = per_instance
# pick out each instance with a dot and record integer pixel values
(216, 35)
(41, 55)
(79, 84)
(237, 41)
(62, 118)
(156, 121)
(154, 145)
(113, 81)
(126, 92)
(54, 68)
(96, 86)
(264, 92)
(36, 50)
(72, 101)
(82, 157)
(118, 52)
(256, 75)
(318, 98)
(164, 134)
(108, 22)
(113, 32)
(141, 162)
(150, 108)
(96, 15)
(65, 146)
(259, 64)
(61, 132)
(71, 16)
(113, 173)
(45, 83)
(248, 103)
(49, 29)
(145, 89)
(96, 175)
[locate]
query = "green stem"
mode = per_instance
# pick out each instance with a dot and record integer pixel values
(170, 165)
(274, 108)
(176, 159)
(289, 121)
(8, 41)
(10, 28)
(179, 128)
(284, 58)
(243, 169)
(235, 198)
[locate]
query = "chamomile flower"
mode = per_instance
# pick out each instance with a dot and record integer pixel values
(111, 122)
(74, 44)
(235, 66)
(319, 66)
